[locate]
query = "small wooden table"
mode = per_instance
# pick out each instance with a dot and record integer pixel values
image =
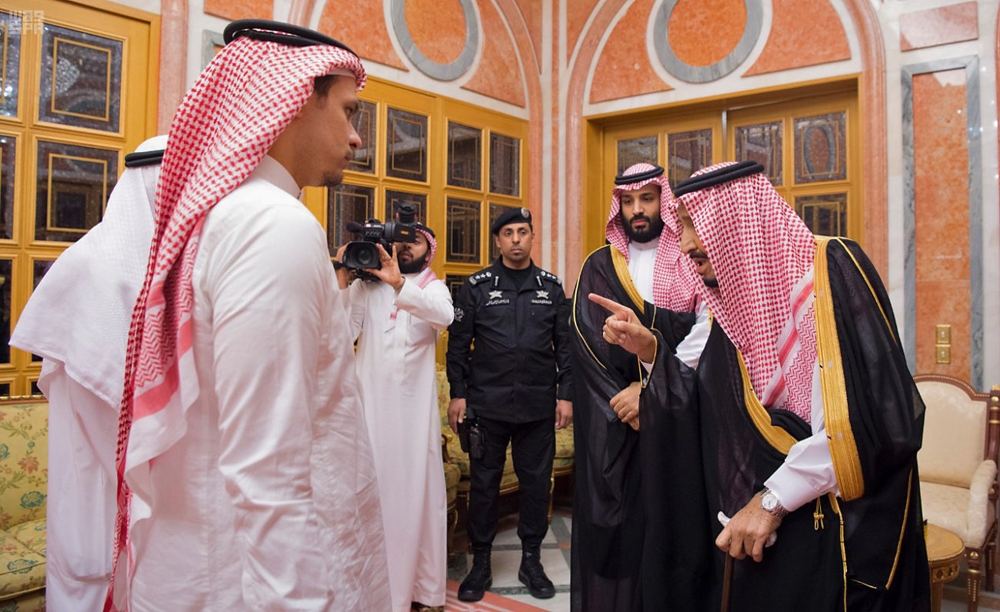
(944, 551)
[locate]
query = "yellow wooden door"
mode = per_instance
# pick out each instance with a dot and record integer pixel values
(808, 140)
(78, 93)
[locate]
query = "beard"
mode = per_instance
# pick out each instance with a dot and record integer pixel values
(654, 227)
(414, 265)
(712, 283)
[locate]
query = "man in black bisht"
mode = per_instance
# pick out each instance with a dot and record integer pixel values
(809, 421)
(638, 267)
(515, 384)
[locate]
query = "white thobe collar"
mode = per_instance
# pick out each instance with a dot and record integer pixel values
(641, 261)
(271, 170)
(634, 247)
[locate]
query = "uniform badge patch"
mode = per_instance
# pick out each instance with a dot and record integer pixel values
(542, 295)
(496, 295)
(459, 314)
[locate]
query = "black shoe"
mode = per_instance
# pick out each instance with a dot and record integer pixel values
(533, 576)
(479, 580)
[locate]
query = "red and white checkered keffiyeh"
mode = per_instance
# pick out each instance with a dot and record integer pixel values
(223, 128)
(432, 246)
(426, 275)
(762, 255)
(672, 289)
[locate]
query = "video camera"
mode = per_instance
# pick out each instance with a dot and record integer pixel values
(363, 254)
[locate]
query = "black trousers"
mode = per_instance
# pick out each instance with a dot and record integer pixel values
(532, 449)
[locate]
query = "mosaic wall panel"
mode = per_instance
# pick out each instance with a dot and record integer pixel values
(406, 145)
(394, 198)
(826, 215)
(687, 153)
(8, 152)
(6, 268)
(464, 221)
(364, 124)
(81, 79)
(762, 143)
(821, 148)
(495, 211)
(505, 165)
(637, 150)
(74, 183)
(455, 282)
(38, 269)
(465, 152)
(346, 203)
(10, 31)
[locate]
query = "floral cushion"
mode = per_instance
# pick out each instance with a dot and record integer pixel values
(564, 448)
(32, 602)
(23, 463)
(22, 570)
(31, 534)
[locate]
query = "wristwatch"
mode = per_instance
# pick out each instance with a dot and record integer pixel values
(770, 503)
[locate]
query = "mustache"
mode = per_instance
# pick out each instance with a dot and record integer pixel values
(640, 217)
(697, 255)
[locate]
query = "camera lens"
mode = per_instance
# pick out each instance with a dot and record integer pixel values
(359, 255)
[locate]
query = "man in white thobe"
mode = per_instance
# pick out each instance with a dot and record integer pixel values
(399, 317)
(77, 321)
(248, 461)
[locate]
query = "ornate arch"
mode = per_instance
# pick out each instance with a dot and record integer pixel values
(872, 98)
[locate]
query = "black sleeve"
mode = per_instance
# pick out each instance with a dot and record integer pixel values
(563, 349)
(460, 334)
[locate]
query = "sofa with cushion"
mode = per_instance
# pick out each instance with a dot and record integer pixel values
(23, 491)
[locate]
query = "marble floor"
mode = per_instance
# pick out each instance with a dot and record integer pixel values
(556, 560)
(507, 557)
(955, 596)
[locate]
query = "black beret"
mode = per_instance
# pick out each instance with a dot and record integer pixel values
(514, 215)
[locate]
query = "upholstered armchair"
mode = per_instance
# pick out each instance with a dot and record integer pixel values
(958, 469)
(24, 461)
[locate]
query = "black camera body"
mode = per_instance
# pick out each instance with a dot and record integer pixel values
(363, 254)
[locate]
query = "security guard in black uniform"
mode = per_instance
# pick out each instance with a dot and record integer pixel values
(515, 385)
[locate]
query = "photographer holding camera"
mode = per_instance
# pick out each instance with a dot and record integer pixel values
(512, 385)
(401, 306)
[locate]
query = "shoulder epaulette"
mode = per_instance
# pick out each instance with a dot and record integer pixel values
(551, 277)
(480, 276)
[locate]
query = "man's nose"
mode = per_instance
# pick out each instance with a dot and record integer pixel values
(354, 140)
(687, 242)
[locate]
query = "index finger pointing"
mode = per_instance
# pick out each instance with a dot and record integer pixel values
(607, 303)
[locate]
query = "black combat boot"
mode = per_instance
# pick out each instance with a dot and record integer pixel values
(479, 580)
(533, 576)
